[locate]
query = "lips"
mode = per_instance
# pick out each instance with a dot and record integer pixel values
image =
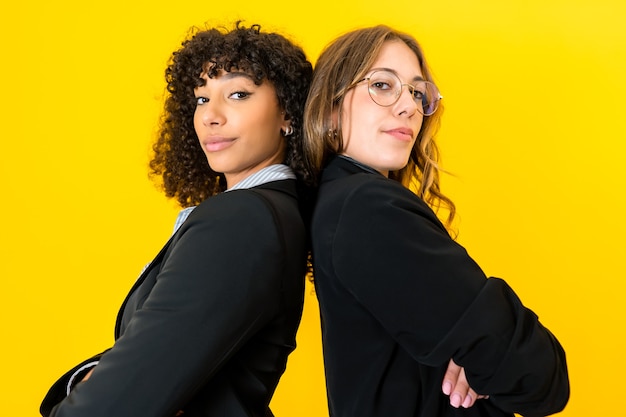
(215, 143)
(402, 133)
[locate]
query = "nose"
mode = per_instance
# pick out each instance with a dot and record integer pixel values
(406, 104)
(211, 113)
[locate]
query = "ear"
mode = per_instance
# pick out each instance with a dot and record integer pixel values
(285, 127)
(334, 119)
(286, 121)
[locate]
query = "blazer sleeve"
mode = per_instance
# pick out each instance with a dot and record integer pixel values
(394, 256)
(219, 283)
(59, 390)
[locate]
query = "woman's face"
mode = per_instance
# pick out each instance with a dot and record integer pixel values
(239, 125)
(382, 137)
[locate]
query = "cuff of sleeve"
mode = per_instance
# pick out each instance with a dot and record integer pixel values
(78, 376)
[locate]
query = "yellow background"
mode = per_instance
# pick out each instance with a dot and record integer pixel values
(534, 131)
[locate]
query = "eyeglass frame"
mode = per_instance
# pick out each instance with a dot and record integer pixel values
(411, 88)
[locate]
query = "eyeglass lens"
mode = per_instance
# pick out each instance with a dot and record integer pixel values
(385, 89)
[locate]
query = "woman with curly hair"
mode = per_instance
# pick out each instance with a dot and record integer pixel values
(411, 325)
(207, 328)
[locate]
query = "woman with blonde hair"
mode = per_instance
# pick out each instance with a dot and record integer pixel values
(408, 318)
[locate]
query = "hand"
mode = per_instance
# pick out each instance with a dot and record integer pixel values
(88, 374)
(456, 386)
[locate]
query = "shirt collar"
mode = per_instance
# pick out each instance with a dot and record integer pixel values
(271, 173)
(274, 172)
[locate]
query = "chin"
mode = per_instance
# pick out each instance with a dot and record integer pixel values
(397, 166)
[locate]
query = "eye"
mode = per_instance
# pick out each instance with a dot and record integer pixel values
(201, 100)
(384, 83)
(240, 95)
(420, 92)
(380, 85)
(418, 95)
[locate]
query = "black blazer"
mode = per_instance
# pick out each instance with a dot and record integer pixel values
(399, 298)
(208, 326)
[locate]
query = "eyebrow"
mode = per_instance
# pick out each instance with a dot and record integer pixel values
(416, 78)
(227, 75)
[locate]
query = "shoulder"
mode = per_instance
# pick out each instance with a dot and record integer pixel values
(250, 210)
(366, 206)
(230, 211)
(244, 201)
(374, 194)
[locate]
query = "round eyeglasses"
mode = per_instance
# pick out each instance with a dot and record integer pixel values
(385, 89)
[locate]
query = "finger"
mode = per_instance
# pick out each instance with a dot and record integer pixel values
(88, 375)
(450, 377)
(459, 396)
(470, 399)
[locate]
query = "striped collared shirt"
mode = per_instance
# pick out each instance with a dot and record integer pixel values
(271, 173)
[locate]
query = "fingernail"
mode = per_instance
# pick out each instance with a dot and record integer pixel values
(455, 400)
(447, 388)
(468, 401)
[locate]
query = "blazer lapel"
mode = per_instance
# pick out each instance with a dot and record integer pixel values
(156, 261)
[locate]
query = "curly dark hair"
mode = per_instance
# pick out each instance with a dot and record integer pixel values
(179, 163)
